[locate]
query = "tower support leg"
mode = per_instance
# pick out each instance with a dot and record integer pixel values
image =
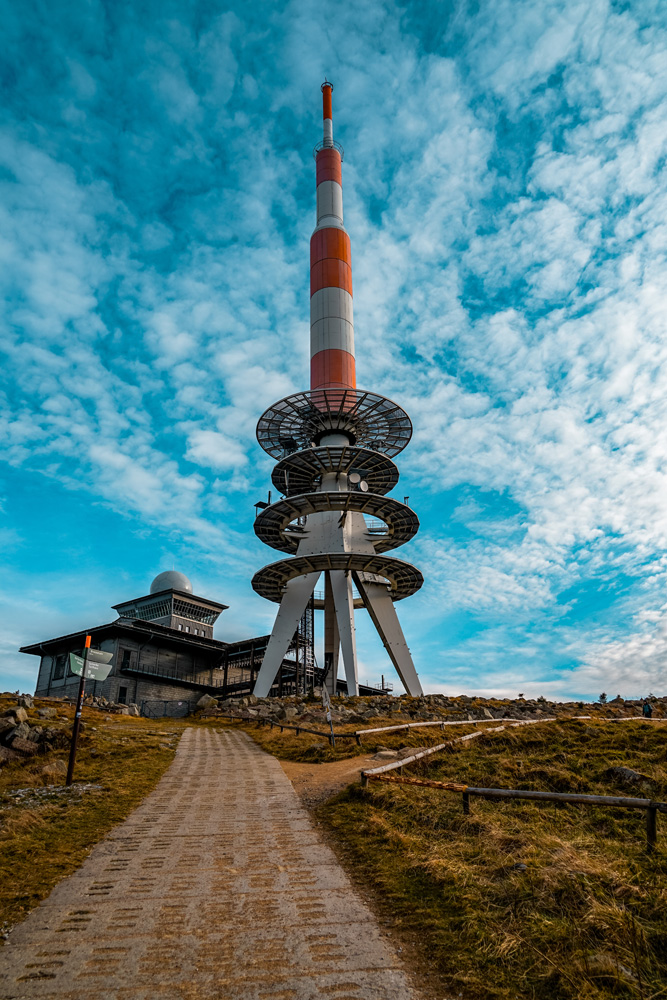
(380, 607)
(292, 606)
(331, 637)
(341, 586)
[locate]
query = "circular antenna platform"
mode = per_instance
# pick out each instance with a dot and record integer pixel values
(274, 524)
(367, 419)
(302, 471)
(402, 578)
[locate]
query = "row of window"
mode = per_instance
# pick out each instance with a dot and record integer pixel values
(60, 666)
(196, 631)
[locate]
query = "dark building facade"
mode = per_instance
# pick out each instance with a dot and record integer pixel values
(164, 654)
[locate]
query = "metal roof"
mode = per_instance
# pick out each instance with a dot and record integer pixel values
(180, 593)
(128, 626)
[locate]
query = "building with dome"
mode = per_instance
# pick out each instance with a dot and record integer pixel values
(165, 656)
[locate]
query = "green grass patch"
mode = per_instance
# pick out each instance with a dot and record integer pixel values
(586, 918)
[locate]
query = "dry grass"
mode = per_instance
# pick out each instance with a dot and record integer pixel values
(587, 918)
(43, 841)
(308, 749)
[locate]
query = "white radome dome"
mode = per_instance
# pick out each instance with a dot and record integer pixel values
(171, 580)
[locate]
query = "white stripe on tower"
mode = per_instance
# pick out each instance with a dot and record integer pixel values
(331, 323)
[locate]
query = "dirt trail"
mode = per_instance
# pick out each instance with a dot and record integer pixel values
(315, 783)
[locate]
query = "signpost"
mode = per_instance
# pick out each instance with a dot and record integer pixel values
(96, 664)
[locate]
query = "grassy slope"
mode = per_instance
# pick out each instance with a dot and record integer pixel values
(588, 916)
(42, 843)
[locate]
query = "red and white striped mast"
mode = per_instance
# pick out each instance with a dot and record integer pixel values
(331, 321)
(334, 446)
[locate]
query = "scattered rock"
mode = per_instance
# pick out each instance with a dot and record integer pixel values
(6, 754)
(386, 755)
(207, 701)
(22, 732)
(19, 713)
(26, 748)
(46, 713)
(134, 710)
(606, 965)
(53, 770)
(410, 751)
(626, 775)
(7, 727)
(25, 701)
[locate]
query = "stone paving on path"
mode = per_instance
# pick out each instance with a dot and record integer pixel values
(217, 886)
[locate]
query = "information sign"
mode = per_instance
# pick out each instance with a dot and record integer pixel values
(96, 670)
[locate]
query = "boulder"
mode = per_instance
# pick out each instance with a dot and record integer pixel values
(26, 748)
(287, 713)
(46, 713)
(7, 727)
(6, 754)
(25, 701)
(207, 701)
(54, 770)
(22, 732)
(386, 755)
(134, 710)
(19, 713)
(625, 775)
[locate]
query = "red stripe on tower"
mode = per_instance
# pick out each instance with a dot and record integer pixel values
(331, 322)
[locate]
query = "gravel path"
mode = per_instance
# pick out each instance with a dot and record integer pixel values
(217, 886)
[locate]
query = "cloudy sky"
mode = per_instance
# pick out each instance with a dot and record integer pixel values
(505, 195)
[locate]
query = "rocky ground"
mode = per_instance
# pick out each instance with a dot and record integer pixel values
(433, 707)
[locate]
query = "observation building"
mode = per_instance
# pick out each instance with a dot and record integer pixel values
(165, 656)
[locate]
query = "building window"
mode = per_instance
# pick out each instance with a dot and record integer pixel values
(122, 696)
(59, 667)
(180, 628)
(187, 628)
(125, 659)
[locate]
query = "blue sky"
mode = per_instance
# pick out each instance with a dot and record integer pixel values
(505, 195)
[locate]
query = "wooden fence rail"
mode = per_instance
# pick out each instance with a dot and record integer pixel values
(651, 807)
(402, 762)
(357, 734)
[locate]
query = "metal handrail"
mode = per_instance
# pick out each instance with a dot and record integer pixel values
(328, 144)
